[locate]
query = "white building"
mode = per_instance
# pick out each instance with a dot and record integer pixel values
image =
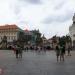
(72, 31)
(10, 31)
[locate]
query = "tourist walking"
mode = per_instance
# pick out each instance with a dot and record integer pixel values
(13, 48)
(20, 52)
(17, 51)
(57, 52)
(69, 50)
(62, 53)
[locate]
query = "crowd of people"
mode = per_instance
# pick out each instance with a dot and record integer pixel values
(17, 51)
(60, 52)
(37, 48)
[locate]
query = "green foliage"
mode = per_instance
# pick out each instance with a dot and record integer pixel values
(20, 41)
(62, 40)
(4, 39)
(23, 39)
(54, 39)
(4, 42)
(68, 39)
(39, 41)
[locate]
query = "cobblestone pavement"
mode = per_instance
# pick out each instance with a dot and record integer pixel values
(35, 63)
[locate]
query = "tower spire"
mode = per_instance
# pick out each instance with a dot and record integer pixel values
(73, 18)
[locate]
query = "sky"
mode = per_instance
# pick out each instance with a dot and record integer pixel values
(51, 17)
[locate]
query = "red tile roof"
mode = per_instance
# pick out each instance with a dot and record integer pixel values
(26, 30)
(6, 27)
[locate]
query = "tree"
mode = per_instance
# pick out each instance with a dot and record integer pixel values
(39, 41)
(62, 40)
(54, 39)
(4, 39)
(38, 38)
(27, 38)
(68, 39)
(21, 39)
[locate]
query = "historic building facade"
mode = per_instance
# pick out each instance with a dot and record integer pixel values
(10, 31)
(14, 34)
(72, 31)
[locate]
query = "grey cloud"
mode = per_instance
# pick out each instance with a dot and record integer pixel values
(32, 1)
(16, 7)
(58, 18)
(60, 5)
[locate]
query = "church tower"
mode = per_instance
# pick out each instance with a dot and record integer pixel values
(73, 19)
(72, 31)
